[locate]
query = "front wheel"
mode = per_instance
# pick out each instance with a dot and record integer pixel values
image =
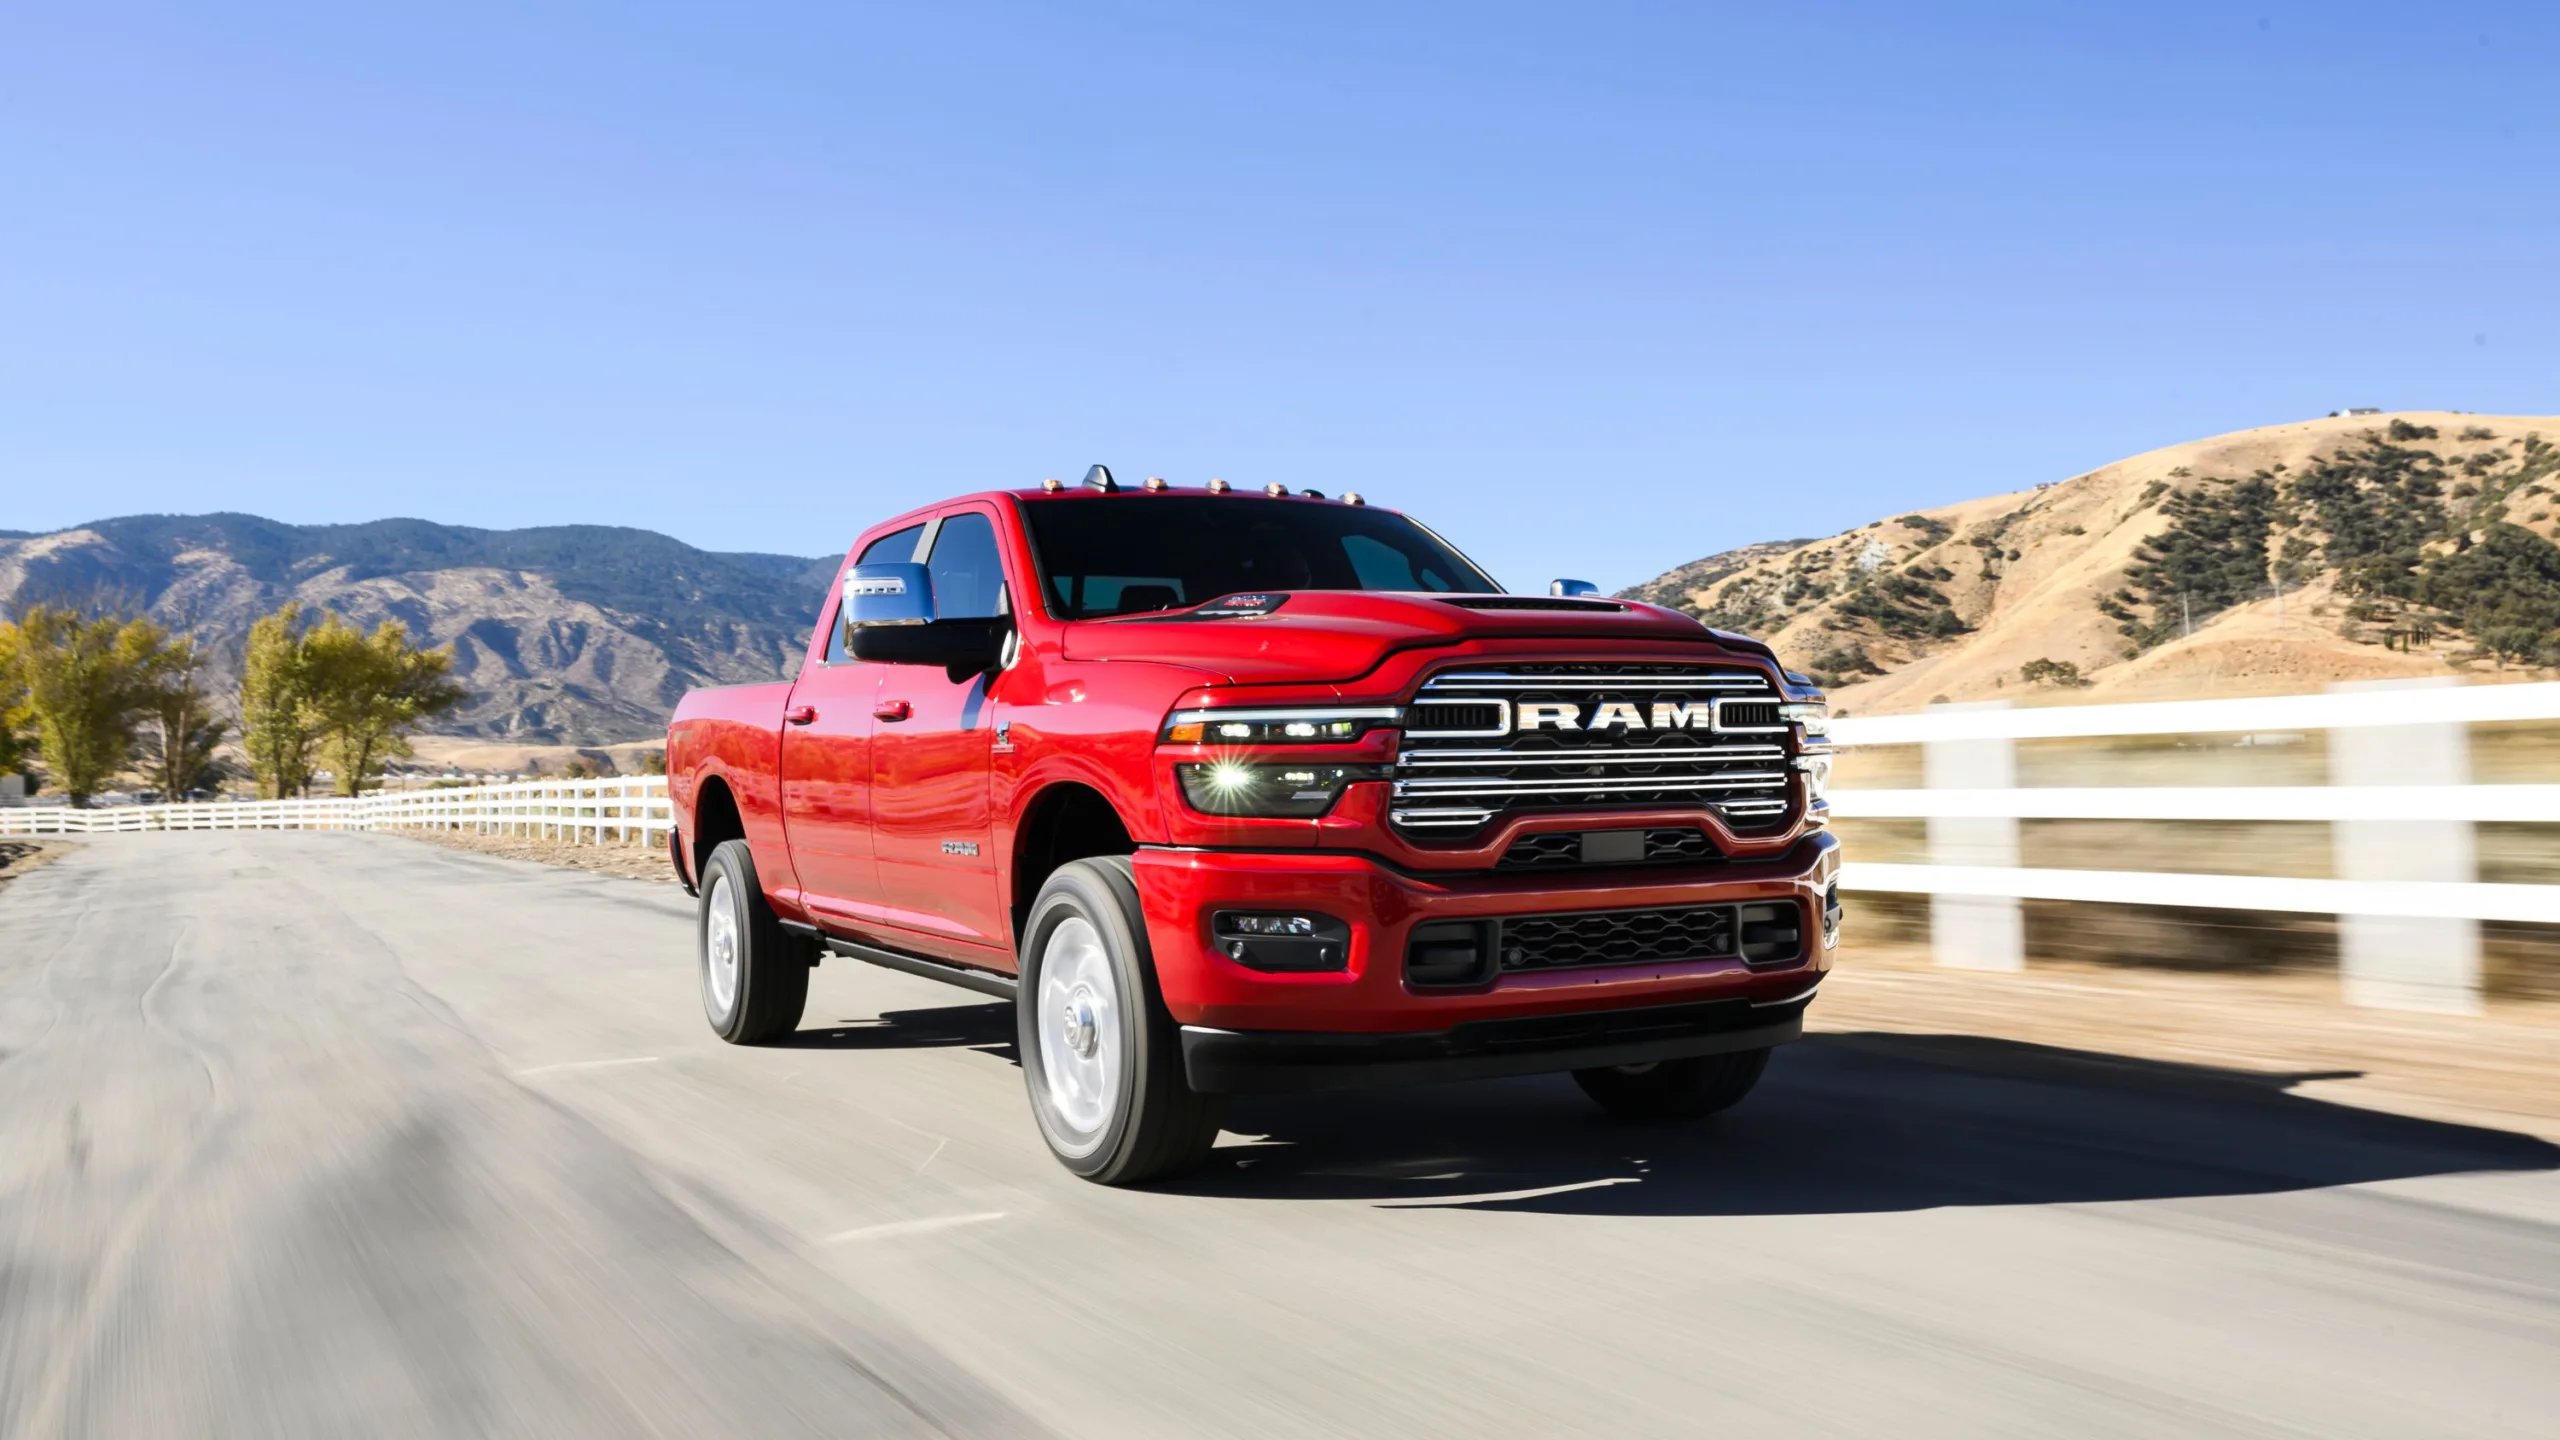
(755, 974)
(1102, 1056)
(1674, 1089)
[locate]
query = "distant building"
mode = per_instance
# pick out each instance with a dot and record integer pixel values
(2364, 409)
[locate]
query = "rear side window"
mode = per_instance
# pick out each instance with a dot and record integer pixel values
(968, 576)
(889, 549)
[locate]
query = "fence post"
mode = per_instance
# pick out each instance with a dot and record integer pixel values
(1974, 932)
(2397, 962)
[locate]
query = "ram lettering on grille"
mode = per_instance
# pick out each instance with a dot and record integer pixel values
(1481, 740)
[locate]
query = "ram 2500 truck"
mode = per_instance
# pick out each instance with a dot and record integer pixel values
(1235, 791)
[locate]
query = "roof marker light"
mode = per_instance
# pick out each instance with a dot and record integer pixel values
(1275, 489)
(1312, 494)
(1219, 487)
(1155, 482)
(1053, 484)
(1099, 478)
(1352, 497)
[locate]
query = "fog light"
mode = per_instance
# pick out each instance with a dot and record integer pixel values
(1286, 941)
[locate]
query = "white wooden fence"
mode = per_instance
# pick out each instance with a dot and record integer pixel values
(581, 812)
(2399, 804)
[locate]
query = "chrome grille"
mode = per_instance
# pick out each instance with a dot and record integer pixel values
(1480, 740)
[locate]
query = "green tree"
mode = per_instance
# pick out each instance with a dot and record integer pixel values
(178, 753)
(371, 691)
(279, 711)
(88, 681)
(17, 719)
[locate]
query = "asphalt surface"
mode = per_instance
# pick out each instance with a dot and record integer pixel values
(332, 1135)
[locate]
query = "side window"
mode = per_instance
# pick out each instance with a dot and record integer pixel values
(891, 548)
(968, 577)
(895, 546)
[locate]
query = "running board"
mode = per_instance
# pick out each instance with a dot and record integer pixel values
(985, 982)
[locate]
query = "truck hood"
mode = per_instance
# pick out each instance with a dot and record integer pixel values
(1336, 636)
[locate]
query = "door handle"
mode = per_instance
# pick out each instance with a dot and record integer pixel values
(893, 710)
(801, 714)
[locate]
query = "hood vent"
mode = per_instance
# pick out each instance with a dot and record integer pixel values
(1529, 602)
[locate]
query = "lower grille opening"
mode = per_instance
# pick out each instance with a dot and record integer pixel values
(1668, 845)
(1454, 954)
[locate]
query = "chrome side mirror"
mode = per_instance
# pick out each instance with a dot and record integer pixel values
(1572, 587)
(887, 594)
(889, 620)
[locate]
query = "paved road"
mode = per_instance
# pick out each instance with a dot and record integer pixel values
(329, 1135)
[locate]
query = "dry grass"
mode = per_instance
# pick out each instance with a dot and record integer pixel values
(2500, 1070)
(17, 857)
(631, 862)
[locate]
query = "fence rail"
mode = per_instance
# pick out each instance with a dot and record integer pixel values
(2399, 804)
(631, 811)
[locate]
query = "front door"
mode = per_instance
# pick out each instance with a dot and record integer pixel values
(932, 823)
(826, 764)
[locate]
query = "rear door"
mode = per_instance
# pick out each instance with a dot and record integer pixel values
(932, 825)
(826, 762)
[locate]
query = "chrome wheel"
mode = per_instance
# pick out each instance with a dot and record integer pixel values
(720, 948)
(1079, 1030)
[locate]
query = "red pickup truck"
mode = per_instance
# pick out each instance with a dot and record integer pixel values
(1242, 791)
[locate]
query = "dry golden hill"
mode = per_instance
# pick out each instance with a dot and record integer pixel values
(2266, 561)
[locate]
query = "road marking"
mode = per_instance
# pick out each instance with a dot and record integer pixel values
(586, 1065)
(912, 1227)
(1444, 1201)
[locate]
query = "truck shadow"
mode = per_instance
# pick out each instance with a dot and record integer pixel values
(1847, 1123)
(985, 1026)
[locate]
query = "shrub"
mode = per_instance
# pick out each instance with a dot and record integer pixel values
(2403, 430)
(2478, 432)
(2053, 672)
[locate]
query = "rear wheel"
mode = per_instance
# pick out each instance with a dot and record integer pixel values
(1674, 1089)
(1101, 1055)
(755, 974)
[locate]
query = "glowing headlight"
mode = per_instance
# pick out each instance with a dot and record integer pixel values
(1299, 792)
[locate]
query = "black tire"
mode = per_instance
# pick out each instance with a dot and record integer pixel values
(1674, 1089)
(768, 973)
(1108, 1089)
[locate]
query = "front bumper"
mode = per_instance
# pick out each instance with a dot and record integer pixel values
(1248, 1061)
(1369, 999)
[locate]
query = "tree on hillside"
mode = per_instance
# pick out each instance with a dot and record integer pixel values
(371, 691)
(178, 753)
(279, 714)
(89, 680)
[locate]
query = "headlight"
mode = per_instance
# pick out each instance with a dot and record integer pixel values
(1813, 715)
(1327, 725)
(1291, 792)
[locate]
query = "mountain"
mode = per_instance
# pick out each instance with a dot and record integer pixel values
(570, 634)
(2266, 561)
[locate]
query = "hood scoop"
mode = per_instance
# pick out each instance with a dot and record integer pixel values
(1530, 602)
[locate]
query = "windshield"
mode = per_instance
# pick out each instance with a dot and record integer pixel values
(1166, 552)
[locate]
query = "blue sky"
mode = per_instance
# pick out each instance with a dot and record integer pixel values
(1594, 288)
